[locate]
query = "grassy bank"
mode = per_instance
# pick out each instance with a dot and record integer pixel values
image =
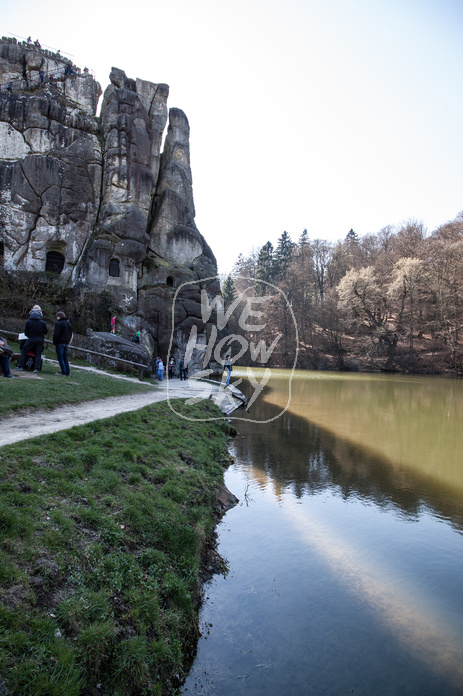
(49, 390)
(103, 529)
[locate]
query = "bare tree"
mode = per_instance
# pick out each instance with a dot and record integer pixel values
(321, 257)
(364, 309)
(404, 288)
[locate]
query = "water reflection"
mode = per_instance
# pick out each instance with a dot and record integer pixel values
(417, 624)
(415, 460)
(345, 573)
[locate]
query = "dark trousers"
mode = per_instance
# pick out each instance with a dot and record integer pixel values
(62, 355)
(5, 365)
(183, 373)
(34, 344)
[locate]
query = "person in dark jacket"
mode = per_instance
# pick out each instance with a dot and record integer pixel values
(62, 338)
(183, 368)
(35, 330)
(5, 354)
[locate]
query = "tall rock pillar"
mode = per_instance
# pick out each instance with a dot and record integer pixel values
(179, 261)
(131, 128)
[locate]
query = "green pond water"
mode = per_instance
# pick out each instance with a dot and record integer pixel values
(346, 550)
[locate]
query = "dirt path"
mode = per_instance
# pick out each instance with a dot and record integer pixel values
(17, 428)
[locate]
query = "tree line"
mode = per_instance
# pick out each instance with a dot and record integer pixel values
(391, 300)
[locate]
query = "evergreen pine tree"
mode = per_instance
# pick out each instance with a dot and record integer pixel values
(304, 240)
(265, 267)
(283, 255)
(352, 237)
(228, 291)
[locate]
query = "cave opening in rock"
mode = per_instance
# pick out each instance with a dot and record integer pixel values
(55, 262)
(114, 268)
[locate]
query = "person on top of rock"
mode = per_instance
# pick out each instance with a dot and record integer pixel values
(35, 330)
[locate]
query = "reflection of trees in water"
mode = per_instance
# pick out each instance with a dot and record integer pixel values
(308, 459)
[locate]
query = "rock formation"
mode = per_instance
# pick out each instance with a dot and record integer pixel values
(94, 200)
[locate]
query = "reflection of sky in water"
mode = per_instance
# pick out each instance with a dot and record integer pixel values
(346, 576)
(425, 626)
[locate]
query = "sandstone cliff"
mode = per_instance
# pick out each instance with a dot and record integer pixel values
(94, 200)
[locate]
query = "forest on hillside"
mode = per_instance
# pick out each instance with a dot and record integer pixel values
(391, 300)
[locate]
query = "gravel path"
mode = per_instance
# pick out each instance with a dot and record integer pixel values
(16, 428)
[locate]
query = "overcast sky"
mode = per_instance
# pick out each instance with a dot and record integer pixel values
(323, 115)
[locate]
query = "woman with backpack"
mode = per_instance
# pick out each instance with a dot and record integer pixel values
(35, 330)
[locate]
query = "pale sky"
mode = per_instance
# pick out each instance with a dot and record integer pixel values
(319, 114)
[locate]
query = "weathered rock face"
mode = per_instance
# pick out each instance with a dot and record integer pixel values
(122, 350)
(178, 255)
(50, 166)
(131, 129)
(94, 200)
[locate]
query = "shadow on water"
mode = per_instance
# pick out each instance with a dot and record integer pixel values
(309, 458)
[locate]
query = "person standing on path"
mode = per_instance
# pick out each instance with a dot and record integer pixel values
(62, 338)
(35, 330)
(228, 367)
(183, 367)
(160, 370)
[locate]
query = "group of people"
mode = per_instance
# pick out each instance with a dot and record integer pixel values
(182, 368)
(35, 331)
(36, 42)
